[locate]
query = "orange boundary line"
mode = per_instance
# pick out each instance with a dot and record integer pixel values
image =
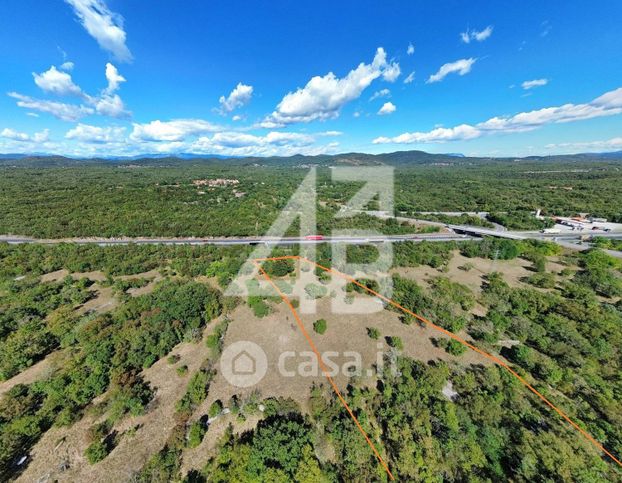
(321, 363)
(495, 359)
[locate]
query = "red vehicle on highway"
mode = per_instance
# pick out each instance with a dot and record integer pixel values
(314, 237)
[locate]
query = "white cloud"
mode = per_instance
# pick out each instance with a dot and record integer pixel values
(237, 117)
(330, 133)
(484, 34)
(608, 104)
(42, 136)
(108, 103)
(60, 110)
(269, 124)
(480, 36)
(113, 77)
(95, 134)
(112, 106)
(14, 135)
(9, 133)
(391, 72)
(323, 96)
(272, 144)
(176, 130)
(387, 108)
(440, 134)
(410, 78)
(104, 26)
(57, 82)
(411, 49)
(66, 66)
(357, 114)
(32, 114)
(379, 94)
(462, 67)
(612, 144)
(534, 83)
(236, 139)
(238, 97)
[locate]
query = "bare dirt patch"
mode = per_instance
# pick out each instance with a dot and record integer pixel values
(471, 271)
(56, 276)
(65, 446)
(39, 371)
(95, 276)
(103, 302)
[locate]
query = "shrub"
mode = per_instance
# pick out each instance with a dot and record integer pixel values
(320, 326)
(395, 342)
(195, 434)
(96, 452)
(215, 409)
(373, 333)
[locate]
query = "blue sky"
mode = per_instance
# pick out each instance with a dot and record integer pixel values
(122, 77)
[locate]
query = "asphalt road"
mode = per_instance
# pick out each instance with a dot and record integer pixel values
(460, 233)
(242, 240)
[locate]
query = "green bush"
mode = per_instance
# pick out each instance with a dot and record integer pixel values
(96, 452)
(195, 434)
(320, 326)
(395, 342)
(215, 409)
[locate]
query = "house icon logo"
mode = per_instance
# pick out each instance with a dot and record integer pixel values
(243, 363)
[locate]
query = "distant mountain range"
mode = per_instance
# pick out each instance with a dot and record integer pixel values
(398, 158)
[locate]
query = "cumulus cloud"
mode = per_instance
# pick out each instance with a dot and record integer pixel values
(530, 84)
(9, 133)
(411, 49)
(56, 82)
(14, 135)
(113, 77)
(175, 130)
(67, 66)
(108, 103)
(387, 108)
(272, 144)
(60, 110)
(480, 36)
(95, 134)
(608, 104)
(461, 67)
(104, 26)
(410, 78)
(391, 72)
(240, 96)
(323, 96)
(41, 136)
(379, 94)
(439, 134)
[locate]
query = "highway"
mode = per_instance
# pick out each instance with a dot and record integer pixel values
(457, 233)
(437, 237)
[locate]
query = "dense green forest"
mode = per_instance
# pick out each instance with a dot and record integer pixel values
(569, 337)
(160, 199)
